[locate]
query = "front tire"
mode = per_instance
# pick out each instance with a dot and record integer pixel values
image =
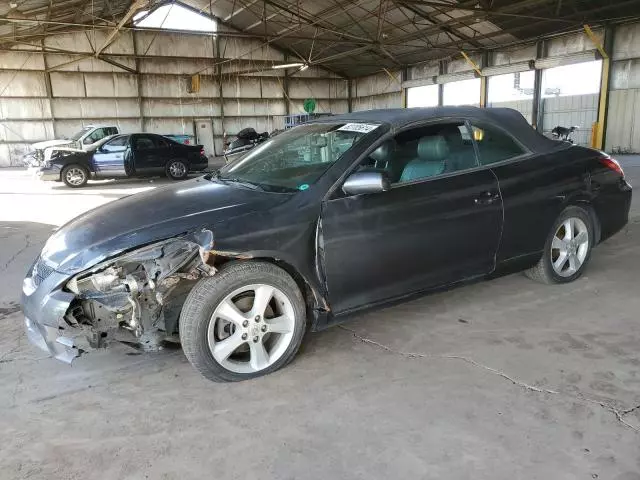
(177, 170)
(567, 249)
(246, 321)
(75, 176)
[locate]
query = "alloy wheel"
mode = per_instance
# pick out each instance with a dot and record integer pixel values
(251, 328)
(569, 247)
(177, 169)
(75, 176)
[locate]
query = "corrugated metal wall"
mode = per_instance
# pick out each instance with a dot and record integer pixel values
(87, 90)
(382, 90)
(623, 126)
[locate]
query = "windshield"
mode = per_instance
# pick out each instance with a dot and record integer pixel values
(76, 136)
(296, 158)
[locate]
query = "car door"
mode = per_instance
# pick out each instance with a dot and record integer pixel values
(112, 158)
(165, 151)
(439, 223)
(148, 154)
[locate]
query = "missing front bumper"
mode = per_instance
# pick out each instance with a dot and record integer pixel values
(44, 305)
(47, 339)
(135, 298)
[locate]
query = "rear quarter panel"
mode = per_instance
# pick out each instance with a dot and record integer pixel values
(535, 190)
(612, 198)
(196, 161)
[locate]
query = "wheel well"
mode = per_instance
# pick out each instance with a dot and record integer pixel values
(313, 299)
(74, 164)
(174, 159)
(597, 233)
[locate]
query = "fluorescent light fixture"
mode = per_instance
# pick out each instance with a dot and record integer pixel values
(303, 68)
(289, 65)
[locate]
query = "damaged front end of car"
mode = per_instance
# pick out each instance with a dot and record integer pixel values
(134, 298)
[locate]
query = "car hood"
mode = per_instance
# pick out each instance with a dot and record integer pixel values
(68, 149)
(148, 217)
(51, 143)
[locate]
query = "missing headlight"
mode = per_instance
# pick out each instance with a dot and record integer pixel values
(142, 291)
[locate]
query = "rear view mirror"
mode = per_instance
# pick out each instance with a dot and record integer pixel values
(366, 182)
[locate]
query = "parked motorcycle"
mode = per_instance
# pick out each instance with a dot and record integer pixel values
(564, 133)
(247, 139)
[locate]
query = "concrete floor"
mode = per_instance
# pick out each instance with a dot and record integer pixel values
(513, 380)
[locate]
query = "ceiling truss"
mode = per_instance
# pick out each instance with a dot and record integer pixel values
(348, 37)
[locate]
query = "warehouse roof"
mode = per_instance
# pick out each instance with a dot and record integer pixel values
(349, 37)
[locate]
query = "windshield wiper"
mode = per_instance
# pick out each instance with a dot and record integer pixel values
(216, 176)
(238, 181)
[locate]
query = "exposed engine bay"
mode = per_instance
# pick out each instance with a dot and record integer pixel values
(136, 298)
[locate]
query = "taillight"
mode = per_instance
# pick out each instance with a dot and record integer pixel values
(612, 164)
(202, 152)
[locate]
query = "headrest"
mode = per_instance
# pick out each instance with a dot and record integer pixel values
(384, 152)
(433, 149)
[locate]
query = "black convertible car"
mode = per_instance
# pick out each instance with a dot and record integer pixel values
(329, 218)
(121, 156)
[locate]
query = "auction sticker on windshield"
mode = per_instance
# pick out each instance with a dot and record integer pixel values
(358, 127)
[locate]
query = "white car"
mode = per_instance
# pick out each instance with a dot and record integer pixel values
(85, 139)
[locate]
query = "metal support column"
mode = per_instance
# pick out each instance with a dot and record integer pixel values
(442, 69)
(49, 89)
(536, 110)
(350, 95)
(220, 94)
(604, 49)
(484, 81)
(404, 77)
(138, 81)
(285, 88)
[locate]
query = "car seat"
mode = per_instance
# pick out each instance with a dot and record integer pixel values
(461, 154)
(432, 159)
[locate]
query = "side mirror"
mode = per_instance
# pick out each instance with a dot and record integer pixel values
(87, 141)
(366, 182)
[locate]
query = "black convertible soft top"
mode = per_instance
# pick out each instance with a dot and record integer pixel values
(508, 119)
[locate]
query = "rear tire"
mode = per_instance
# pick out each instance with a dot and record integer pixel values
(567, 250)
(261, 335)
(75, 176)
(177, 170)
